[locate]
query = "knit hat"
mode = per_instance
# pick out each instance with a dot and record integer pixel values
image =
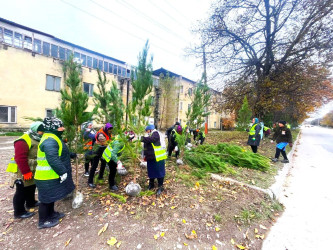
(283, 122)
(256, 120)
(108, 126)
(37, 126)
(150, 127)
(179, 128)
(52, 123)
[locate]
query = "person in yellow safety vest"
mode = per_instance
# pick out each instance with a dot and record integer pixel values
(254, 135)
(155, 156)
(173, 144)
(22, 168)
(53, 172)
(110, 155)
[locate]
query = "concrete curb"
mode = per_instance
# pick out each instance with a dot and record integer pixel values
(276, 189)
(280, 179)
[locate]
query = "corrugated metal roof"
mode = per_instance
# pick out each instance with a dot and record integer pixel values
(171, 74)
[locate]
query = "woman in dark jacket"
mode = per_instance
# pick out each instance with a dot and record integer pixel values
(155, 167)
(58, 167)
(254, 135)
(283, 137)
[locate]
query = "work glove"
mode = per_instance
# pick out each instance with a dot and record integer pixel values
(247, 130)
(176, 149)
(63, 177)
(272, 141)
(120, 168)
(290, 144)
(27, 176)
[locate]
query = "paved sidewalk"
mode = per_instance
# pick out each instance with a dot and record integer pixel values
(307, 195)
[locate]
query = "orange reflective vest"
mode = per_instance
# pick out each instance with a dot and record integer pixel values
(108, 138)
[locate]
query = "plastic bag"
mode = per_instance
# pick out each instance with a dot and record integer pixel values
(78, 200)
(133, 189)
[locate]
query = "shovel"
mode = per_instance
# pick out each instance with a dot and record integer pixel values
(78, 196)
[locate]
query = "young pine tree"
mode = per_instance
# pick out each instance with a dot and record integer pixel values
(244, 115)
(198, 111)
(140, 106)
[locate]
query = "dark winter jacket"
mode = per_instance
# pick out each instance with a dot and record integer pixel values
(26, 159)
(52, 190)
(148, 147)
(283, 134)
(256, 136)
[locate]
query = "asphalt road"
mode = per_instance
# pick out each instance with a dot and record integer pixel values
(307, 221)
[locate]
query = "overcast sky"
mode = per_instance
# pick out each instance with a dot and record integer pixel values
(119, 28)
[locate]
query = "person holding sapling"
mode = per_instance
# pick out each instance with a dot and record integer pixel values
(88, 140)
(254, 135)
(103, 138)
(283, 137)
(155, 155)
(110, 155)
(173, 144)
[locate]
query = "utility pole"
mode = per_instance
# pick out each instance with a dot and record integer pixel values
(204, 65)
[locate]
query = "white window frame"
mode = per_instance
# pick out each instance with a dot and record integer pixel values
(52, 110)
(10, 114)
(180, 105)
(181, 89)
(91, 89)
(54, 83)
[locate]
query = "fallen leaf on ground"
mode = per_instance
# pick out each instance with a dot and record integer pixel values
(263, 227)
(103, 229)
(217, 229)
(67, 242)
(208, 224)
(173, 207)
(118, 244)
(184, 221)
(89, 213)
(155, 236)
(232, 241)
(241, 247)
(162, 234)
(192, 236)
(262, 236)
(197, 184)
(255, 230)
(185, 244)
(214, 247)
(112, 241)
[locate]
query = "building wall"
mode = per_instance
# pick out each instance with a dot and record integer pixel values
(23, 81)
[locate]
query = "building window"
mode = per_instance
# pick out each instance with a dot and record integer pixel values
(77, 57)
(54, 50)
(88, 88)
(190, 91)
(181, 89)
(119, 71)
(68, 54)
(7, 114)
(18, 40)
(181, 106)
(50, 112)
(110, 67)
(38, 46)
(89, 61)
(128, 73)
(1, 33)
(123, 72)
(53, 83)
(100, 65)
(8, 36)
(214, 124)
(115, 69)
(95, 61)
(106, 67)
(46, 48)
(189, 107)
(83, 60)
(62, 53)
(27, 43)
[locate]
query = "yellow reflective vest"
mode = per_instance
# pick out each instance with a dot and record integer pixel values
(253, 129)
(43, 169)
(160, 153)
(12, 166)
(108, 152)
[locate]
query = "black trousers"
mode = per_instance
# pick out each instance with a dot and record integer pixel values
(94, 166)
(23, 196)
(254, 148)
(159, 181)
(171, 147)
(45, 211)
(283, 152)
(113, 170)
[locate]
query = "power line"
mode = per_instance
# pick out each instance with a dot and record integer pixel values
(132, 23)
(165, 28)
(171, 6)
(104, 21)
